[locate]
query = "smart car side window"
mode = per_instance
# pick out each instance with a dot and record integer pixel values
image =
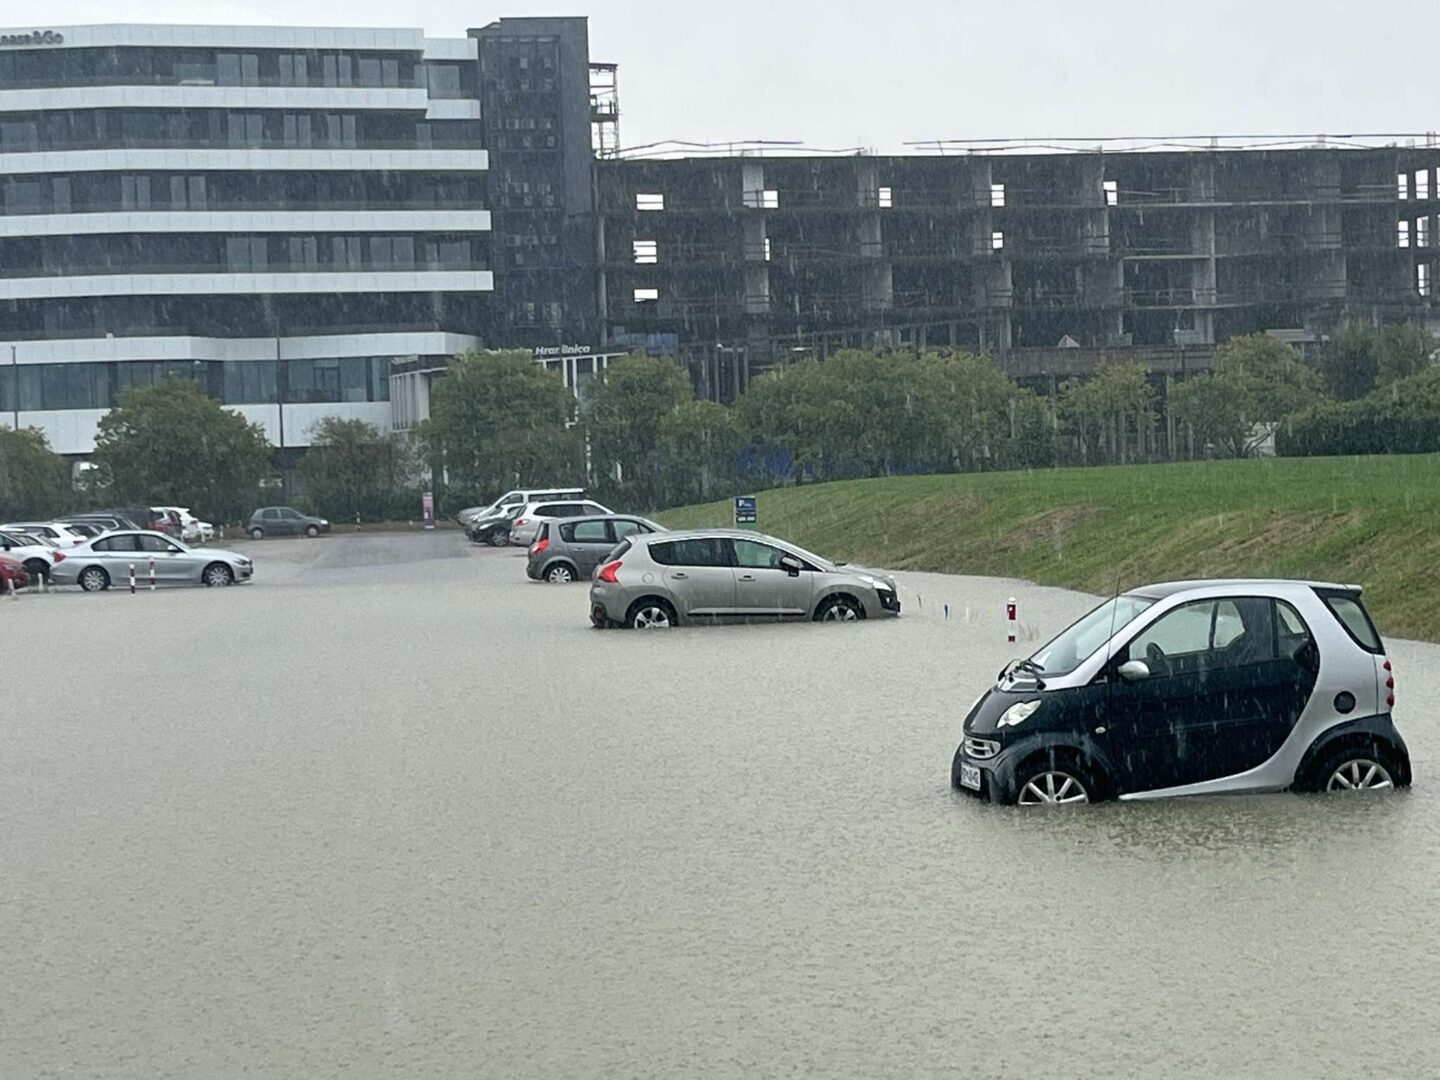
(1177, 642)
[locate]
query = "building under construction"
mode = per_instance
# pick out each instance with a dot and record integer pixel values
(1047, 261)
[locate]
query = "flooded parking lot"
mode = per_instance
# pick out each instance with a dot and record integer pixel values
(394, 811)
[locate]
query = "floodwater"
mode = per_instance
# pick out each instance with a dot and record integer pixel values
(393, 811)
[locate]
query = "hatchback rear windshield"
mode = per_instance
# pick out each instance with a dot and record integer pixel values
(1351, 614)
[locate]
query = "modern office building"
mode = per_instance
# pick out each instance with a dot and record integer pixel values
(1045, 260)
(278, 213)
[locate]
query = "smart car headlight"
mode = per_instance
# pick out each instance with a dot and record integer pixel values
(1018, 713)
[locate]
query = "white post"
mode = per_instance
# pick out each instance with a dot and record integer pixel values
(132, 579)
(152, 575)
(1010, 620)
(10, 584)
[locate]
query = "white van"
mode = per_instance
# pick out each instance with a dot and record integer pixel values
(511, 501)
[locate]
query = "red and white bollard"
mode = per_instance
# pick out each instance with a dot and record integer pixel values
(1010, 619)
(152, 575)
(132, 578)
(10, 584)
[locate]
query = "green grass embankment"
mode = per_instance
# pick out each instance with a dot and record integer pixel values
(1372, 520)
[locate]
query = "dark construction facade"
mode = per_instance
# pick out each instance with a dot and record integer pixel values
(1045, 261)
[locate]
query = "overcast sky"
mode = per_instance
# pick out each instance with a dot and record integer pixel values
(839, 74)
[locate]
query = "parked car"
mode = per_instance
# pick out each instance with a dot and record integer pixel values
(527, 523)
(570, 549)
(192, 529)
(106, 560)
(517, 498)
(35, 557)
(493, 529)
(87, 528)
(12, 574)
(1192, 688)
(63, 536)
(104, 522)
(285, 521)
(672, 578)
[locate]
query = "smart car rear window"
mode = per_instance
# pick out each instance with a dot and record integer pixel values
(1350, 613)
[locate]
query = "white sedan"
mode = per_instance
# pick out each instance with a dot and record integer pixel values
(37, 559)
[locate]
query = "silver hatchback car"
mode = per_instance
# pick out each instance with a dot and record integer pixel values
(570, 550)
(673, 578)
(107, 560)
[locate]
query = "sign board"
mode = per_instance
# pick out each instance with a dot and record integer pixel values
(36, 37)
(746, 510)
(427, 509)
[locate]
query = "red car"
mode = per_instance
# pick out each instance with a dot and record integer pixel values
(12, 572)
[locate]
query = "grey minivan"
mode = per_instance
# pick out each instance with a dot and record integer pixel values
(714, 575)
(566, 551)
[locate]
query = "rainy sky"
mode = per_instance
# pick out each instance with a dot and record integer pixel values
(837, 74)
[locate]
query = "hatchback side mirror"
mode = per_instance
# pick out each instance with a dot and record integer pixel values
(1134, 670)
(790, 565)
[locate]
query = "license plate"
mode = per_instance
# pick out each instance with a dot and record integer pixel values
(970, 776)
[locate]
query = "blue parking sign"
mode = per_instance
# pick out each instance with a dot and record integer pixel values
(746, 511)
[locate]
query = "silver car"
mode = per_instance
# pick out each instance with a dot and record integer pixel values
(673, 578)
(526, 525)
(570, 550)
(107, 560)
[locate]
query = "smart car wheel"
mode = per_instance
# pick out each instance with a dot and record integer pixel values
(93, 579)
(651, 614)
(1359, 774)
(217, 574)
(1055, 779)
(257, 533)
(839, 609)
(560, 574)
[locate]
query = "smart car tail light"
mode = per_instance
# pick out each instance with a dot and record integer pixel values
(608, 572)
(1390, 686)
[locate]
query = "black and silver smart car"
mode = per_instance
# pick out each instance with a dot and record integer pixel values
(1191, 688)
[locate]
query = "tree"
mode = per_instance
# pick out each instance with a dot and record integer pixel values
(1270, 374)
(170, 443)
(33, 478)
(784, 412)
(354, 469)
(1107, 406)
(626, 405)
(1214, 408)
(498, 419)
(1349, 363)
(699, 448)
(1403, 350)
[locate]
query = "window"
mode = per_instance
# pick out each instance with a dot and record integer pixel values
(443, 80)
(649, 201)
(248, 382)
(997, 194)
(593, 508)
(1422, 232)
(997, 241)
(701, 551)
(1078, 642)
(623, 529)
(1178, 638)
(646, 251)
(1112, 192)
(767, 249)
(1402, 236)
(769, 199)
(1351, 614)
(1422, 184)
(1402, 186)
(155, 544)
(1422, 279)
(587, 532)
(271, 514)
(1291, 634)
(645, 296)
(754, 555)
(286, 514)
(885, 198)
(115, 543)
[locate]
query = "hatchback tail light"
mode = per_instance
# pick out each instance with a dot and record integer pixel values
(59, 556)
(540, 546)
(608, 572)
(520, 522)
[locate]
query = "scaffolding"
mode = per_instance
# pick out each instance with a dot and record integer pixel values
(605, 109)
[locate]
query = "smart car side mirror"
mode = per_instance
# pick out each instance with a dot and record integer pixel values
(1134, 670)
(790, 565)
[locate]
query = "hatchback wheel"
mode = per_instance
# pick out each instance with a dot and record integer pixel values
(651, 615)
(312, 530)
(560, 575)
(839, 609)
(218, 574)
(497, 538)
(93, 579)
(1359, 774)
(257, 533)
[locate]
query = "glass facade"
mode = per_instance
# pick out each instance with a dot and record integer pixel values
(44, 387)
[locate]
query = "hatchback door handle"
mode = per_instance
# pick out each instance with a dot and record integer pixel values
(679, 575)
(747, 577)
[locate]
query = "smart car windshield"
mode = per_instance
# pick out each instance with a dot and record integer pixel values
(1075, 644)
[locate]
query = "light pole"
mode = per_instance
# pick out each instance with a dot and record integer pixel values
(280, 417)
(15, 385)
